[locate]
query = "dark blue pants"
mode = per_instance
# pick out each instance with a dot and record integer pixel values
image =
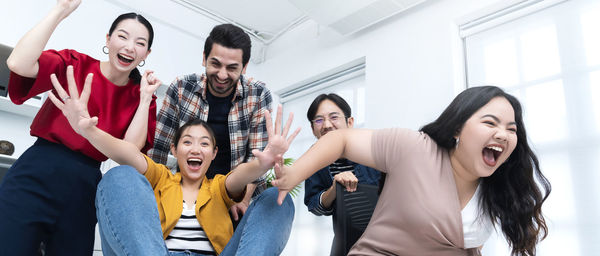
(48, 196)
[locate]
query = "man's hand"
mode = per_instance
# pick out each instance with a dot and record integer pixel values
(74, 106)
(347, 179)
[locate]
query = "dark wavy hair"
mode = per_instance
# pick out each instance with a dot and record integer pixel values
(229, 36)
(510, 195)
(135, 73)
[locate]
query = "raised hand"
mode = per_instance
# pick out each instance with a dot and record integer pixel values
(73, 105)
(278, 143)
(148, 85)
(66, 7)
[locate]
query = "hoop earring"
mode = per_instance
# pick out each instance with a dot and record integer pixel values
(105, 49)
(457, 141)
(142, 63)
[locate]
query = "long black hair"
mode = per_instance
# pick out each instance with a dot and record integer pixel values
(135, 73)
(510, 195)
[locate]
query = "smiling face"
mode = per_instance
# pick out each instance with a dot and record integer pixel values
(223, 69)
(127, 45)
(486, 140)
(329, 117)
(194, 151)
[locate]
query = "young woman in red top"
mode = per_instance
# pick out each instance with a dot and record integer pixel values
(47, 197)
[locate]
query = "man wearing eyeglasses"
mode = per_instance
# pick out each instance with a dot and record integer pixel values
(329, 112)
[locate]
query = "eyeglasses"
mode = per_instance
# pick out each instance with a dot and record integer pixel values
(334, 118)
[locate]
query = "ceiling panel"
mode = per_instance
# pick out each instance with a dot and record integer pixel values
(266, 17)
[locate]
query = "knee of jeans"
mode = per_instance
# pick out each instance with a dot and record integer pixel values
(270, 195)
(120, 174)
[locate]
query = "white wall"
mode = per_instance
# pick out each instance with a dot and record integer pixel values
(409, 61)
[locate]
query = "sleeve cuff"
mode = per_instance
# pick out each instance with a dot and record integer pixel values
(322, 209)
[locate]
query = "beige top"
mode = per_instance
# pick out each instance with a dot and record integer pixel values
(418, 212)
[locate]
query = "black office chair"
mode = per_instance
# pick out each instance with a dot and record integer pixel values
(353, 213)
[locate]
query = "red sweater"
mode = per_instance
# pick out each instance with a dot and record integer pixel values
(114, 105)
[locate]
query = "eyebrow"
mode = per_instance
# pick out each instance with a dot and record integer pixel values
(496, 119)
(122, 30)
(230, 65)
(203, 137)
(329, 114)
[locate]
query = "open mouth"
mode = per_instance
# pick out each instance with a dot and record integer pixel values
(194, 163)
(491, 154)
(219, 83)
(125, 59)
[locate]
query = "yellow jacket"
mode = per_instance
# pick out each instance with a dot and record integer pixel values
(212, 203)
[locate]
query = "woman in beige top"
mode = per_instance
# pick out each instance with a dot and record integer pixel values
(478, 144)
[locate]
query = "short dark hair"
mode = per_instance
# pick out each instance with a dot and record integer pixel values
(510, 195)
(135, 73)
(336, 99)
(229, 36)
(194, 122)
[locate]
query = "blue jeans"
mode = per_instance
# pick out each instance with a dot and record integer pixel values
(48, 196)
(129, 223)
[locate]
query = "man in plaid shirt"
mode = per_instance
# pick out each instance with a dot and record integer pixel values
(232, 105)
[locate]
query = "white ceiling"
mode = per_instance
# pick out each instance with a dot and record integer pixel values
(263, 18)
(266, 20)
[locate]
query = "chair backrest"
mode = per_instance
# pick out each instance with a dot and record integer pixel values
(353, 213)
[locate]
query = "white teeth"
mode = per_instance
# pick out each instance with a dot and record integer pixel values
(195, 160)
(495, 148)
(125, 57)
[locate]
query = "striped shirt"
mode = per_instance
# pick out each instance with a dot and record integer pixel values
(186, 100)
(340, 165)
(188, 234)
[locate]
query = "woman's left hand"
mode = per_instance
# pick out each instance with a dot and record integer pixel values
(148, 85)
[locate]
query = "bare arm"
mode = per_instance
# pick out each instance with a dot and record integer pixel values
(241, 176)
(276, 147)
(137, 132)
(347, 179)
(167, 123)
(74, 107)
(353, 144)
(23, 59)
(120, 151)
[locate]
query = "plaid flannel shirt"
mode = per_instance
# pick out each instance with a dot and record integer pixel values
(186, 100)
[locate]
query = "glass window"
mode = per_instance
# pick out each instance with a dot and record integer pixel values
(550, 60)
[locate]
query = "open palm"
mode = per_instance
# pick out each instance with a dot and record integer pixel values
(73, 105)
(278, 143)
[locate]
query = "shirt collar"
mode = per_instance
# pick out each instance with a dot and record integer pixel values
(239, 90)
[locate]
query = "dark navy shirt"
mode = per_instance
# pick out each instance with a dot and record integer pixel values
(218, 111)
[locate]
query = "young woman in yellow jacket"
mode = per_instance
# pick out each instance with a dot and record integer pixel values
(145, 209)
